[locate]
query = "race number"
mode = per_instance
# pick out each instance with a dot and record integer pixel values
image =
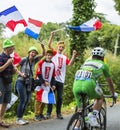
(83, 74)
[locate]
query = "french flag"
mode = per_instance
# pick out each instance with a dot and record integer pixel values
(91, 25)
(45, 96)
(16, 58)
(11, 17)
(33, 28)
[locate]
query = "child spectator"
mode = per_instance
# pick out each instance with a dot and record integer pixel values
(46, 75)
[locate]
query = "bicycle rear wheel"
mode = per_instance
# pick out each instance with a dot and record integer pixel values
(75, 121)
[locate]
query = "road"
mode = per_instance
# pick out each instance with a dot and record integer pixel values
(113, 122)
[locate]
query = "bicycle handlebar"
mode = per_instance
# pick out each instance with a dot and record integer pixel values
(105, 84)
(108, 96)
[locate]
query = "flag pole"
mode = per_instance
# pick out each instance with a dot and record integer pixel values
(59, 29)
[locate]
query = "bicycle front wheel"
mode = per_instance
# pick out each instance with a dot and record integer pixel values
(103, 120)
(76, 121)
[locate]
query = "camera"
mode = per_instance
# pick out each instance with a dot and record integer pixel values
(37, 82)
(27, 76)
(27, 81)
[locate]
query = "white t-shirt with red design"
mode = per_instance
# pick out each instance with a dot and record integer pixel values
(60, 61)
(47, 69)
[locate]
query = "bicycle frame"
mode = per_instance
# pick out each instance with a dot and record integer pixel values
(78, 118)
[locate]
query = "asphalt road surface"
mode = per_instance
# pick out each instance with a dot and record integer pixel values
(113, 122)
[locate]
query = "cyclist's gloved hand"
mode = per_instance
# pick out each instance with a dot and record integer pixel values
(115, 96)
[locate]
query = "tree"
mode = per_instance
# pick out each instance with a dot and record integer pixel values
(82, 11)
(117, 5)
(105, 37)
(1, 29)
(48, 28)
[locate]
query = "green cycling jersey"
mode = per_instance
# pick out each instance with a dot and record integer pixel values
(86, 76)
(92, 69)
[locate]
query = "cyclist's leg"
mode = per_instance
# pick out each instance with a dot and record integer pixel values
(90, 90)
(98, 104)
(77, 88)
(76, 118)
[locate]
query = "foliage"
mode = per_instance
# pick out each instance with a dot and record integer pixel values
(117, 5)
(82, 12)
(101, 17)
(48, 28)
(1, 29)
(105, 37)
(114, 67)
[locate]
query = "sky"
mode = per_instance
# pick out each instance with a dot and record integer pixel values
(54, 11)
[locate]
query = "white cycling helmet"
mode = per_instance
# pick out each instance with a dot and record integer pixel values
(98, 51)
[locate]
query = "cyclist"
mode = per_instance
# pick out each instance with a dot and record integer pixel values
(85, 82)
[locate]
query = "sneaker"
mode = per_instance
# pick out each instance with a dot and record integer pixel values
(37, 118)
(27, 122)
(20, 122)
(4, 125)
(59, 116)
(92, 119)
(76, 128)
(42, 116)
(47, 116)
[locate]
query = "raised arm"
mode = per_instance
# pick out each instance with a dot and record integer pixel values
(73, 57)
(3, 67)
(43, 51)
(50, 40)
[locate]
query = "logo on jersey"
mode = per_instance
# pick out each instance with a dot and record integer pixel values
(47, 71)
(60, 62)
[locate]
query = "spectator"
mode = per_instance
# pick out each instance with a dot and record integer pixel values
(24, 81)
(46, 75)
(7, 70)
(60, 60)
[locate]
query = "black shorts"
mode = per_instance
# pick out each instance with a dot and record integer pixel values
(6, 90)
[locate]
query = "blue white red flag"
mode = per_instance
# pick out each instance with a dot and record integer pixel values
(11, 17)
(91, 25)
(14, 98)
(33, 28)
(43, 94)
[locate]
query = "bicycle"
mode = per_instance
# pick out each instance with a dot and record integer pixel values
(78, 118)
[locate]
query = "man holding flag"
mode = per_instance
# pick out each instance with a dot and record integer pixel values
(61, 61)
(6, 75)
